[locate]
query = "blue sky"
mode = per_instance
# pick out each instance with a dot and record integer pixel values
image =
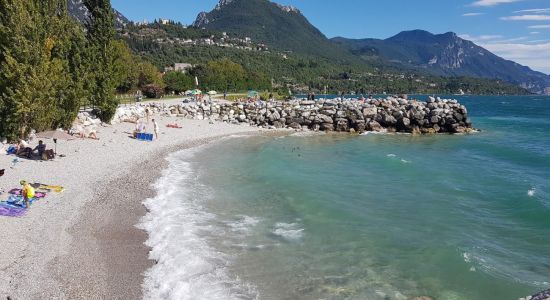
(514, 29)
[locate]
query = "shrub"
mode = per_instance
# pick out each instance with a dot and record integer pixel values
(153, 91)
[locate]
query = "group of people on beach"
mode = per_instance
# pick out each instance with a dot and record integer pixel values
(141, 127)
(23, 149)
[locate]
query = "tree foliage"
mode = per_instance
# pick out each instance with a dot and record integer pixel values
(42, 82)
(52, 65)
(178, 82)
(101, 33)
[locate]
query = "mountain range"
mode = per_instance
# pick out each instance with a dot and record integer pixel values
(285, 28)
(281, 27)
(445, 55)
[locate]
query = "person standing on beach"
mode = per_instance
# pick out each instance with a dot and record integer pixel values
(27, 191)
(147, 114)
(156, 129)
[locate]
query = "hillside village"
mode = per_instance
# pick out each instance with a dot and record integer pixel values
(223, 39)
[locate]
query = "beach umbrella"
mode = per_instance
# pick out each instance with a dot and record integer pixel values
(252, 94)
(212, 93)
(188, 92)
(55, 135)
(196, 92)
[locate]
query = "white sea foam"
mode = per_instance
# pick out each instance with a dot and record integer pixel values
(308, 133)
(466, 257)
(384, 131)
(405, 161)
(391, 155)
(187, 266)
(288, 231)
(243, 224)
(531, 192)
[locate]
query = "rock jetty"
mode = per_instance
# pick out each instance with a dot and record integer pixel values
(380, 115)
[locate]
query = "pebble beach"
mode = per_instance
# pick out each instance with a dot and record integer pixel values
(83, 243)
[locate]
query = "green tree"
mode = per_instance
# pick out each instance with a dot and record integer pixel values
(178, 82)
(148, 74)
(40, 53)
(101, 32)
(224, 75)
(126, 73)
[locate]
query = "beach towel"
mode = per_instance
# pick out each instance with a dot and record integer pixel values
(11, 211)
(48, 188)
(174, 126)
(17, 192)
(15, 201)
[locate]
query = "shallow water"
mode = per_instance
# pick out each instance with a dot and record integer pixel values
(361, 217)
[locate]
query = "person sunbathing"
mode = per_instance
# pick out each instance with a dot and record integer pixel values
(174, 125)
(22, 147)
(93, 135)
(40, 148)
(28, 151)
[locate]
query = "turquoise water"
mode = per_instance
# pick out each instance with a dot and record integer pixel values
(385, 216)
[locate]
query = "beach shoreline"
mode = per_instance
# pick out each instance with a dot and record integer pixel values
(122, 256)
(84, 243)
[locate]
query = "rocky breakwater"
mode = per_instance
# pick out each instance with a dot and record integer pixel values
(379, 115)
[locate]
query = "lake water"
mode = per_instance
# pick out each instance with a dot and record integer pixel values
(361, 217)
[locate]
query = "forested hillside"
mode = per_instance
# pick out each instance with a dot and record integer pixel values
(164, 45)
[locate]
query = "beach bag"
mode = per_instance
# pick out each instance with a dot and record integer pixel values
(48, 154)
(11, 150)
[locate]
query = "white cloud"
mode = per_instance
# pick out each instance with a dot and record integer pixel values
(527, 18)
(536, 56)
(539, 26)
(480, 38)
(534, 11)
(532, 53)
(518, 39)
(473, 14)
(492, 2)
(534, 32)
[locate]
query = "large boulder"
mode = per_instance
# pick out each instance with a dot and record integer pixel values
(342, 124)
(370, 112)
(374, 126)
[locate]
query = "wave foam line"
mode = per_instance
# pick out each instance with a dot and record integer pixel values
(187, 266)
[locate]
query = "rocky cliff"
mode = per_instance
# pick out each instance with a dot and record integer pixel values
(80, 12)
